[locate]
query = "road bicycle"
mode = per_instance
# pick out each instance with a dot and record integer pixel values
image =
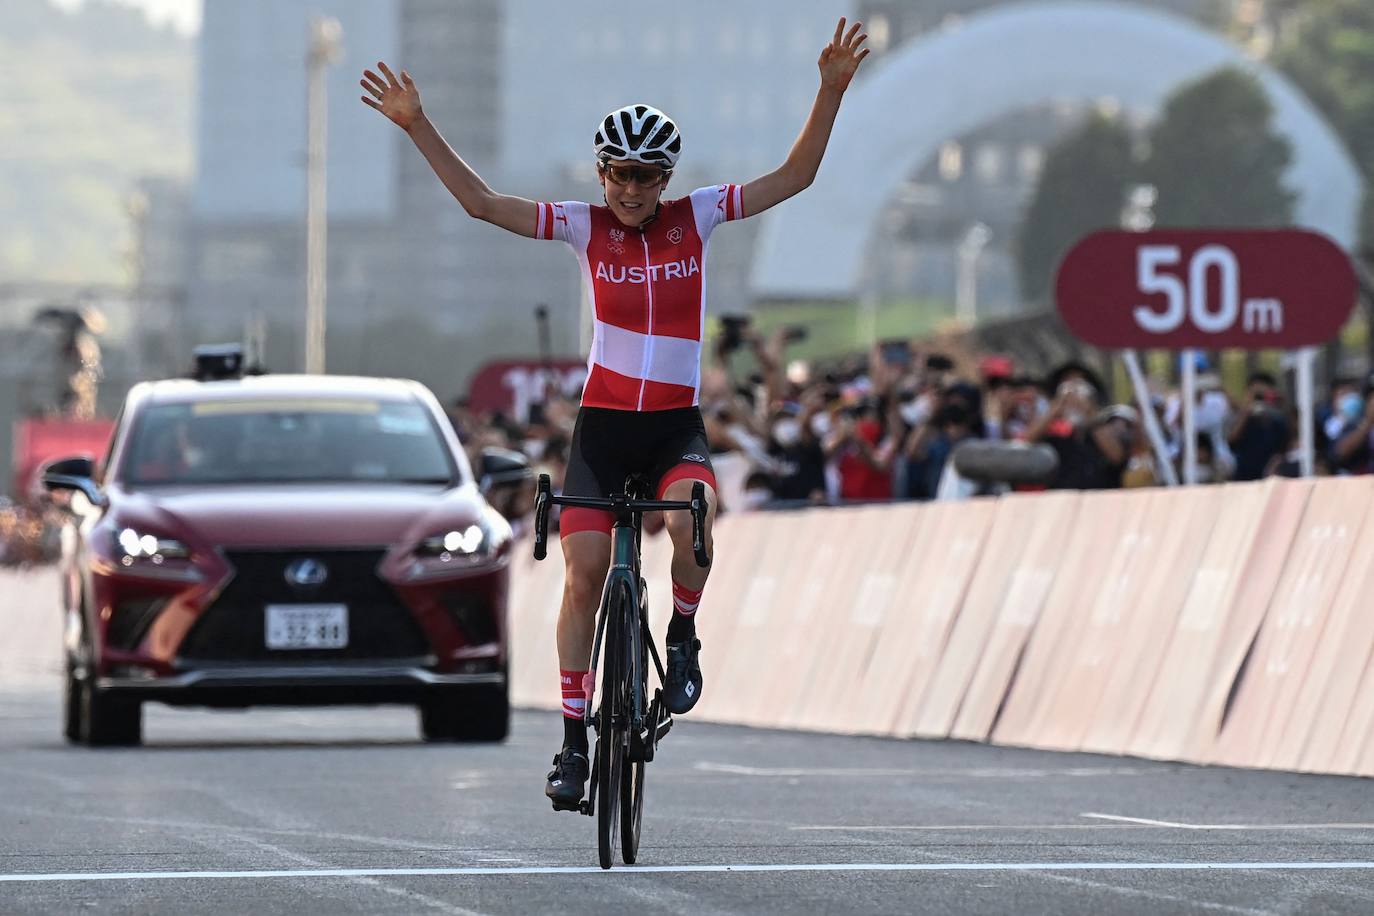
(629, 724)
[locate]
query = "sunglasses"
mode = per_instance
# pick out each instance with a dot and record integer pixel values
(644, 177)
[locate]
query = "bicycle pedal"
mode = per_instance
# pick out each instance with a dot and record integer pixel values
(585, 808)
(568, 806)
(664, 726)
(641, 748)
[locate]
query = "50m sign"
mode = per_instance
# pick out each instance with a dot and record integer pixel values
(1206, 289)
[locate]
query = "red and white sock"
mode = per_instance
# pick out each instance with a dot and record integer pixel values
(574, 696)
(685, 601)
(683, 626)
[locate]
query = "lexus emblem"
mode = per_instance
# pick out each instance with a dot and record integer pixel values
(306, 572)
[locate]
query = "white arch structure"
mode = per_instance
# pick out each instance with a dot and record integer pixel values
(999, 62)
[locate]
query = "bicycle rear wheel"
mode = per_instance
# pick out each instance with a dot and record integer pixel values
(610, 743)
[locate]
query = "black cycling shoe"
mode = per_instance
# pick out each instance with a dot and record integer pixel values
(568, 779)
(682, 687)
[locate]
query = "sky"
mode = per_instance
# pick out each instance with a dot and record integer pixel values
(184, 15)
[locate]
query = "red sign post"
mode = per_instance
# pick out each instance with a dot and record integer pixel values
(512, 385)
(38, 441)
(1253, 289)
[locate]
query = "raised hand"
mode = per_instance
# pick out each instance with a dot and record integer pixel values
(842, 56)
(399, 100)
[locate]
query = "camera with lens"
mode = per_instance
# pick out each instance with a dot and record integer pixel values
(732, 332)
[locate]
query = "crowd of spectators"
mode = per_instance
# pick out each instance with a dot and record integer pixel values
(29, 536)
(883, 425)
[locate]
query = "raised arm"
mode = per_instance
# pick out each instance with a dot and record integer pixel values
(839, 60)
(399, 100)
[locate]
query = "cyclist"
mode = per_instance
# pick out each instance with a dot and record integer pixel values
(643, 261)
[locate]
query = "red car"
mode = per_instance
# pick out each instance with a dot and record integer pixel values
(285, 540)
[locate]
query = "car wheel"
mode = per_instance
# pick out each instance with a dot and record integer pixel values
(466, 714)
(109, 721)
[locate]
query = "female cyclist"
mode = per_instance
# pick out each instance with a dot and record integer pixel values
(643, 262)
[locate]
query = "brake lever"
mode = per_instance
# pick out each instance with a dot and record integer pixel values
(699, 524)
(541, 517)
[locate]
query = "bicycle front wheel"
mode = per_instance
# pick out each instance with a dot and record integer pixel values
(610, 743)
(631, 809)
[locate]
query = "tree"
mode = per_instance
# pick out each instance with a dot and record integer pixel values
(1327, 49)
(1215, 159)
(1081, 189)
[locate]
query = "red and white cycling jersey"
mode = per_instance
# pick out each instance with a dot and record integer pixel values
(648, 289)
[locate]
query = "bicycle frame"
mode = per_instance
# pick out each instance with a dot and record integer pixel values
(625, 736)
(624, 572)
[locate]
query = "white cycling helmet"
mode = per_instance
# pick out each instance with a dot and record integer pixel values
(639, 133)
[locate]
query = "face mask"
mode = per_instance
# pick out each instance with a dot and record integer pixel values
(916, 411)
(820, 425)
(1351, 406)
(1211, 412)
(787, 432)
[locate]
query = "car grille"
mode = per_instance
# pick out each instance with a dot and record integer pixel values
(233, 628)
(131, 619)
(473, 614)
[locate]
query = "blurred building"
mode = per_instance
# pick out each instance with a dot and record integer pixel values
(517, 88)
(984, 177)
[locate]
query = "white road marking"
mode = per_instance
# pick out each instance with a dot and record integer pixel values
(1190, 903)
(216, 829)
(969, 773)
(861, 828)
(363, 880)
(689, 869)
(1178, 825)
(1118, 823)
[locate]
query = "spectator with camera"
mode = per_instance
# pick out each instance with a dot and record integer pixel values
(798, 461)
(1259, 430)
(1091, 449)
(859, 452)
(936, 415)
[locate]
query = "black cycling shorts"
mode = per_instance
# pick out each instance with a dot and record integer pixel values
(663, 446)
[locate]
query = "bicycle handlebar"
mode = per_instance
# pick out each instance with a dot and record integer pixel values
(545, 498)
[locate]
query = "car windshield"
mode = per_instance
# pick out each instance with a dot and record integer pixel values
(287, 440)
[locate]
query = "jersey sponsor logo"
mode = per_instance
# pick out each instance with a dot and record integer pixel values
(693, 456)
(675, 234)
(673, 270)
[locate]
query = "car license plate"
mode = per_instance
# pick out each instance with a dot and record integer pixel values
(307, 626)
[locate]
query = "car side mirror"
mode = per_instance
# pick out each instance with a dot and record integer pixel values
(502, 468)
(76, 473)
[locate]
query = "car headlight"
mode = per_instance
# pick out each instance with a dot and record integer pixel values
(135, 546)
(472, 542)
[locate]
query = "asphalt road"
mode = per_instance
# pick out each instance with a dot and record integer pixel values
(344, 811)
